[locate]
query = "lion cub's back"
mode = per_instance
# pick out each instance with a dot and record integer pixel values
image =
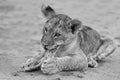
(89, 40)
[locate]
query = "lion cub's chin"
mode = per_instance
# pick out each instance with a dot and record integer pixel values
(72, 45)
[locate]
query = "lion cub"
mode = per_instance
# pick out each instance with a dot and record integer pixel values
(68, 45)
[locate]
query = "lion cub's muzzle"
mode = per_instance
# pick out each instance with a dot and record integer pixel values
(48, 44)
(52, 49)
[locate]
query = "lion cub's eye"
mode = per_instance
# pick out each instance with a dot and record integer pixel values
(57, 34)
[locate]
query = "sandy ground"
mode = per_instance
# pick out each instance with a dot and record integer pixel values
(21, 23)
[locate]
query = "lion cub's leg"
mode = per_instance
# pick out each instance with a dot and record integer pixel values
(57, 64)
(33, 63)
(107, 48)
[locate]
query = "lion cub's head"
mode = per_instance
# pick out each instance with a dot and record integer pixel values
(59, 29)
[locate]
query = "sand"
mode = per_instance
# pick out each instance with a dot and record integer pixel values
(21, 23)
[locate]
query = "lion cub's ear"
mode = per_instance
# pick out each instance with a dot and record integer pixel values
(47, 11)
(75, 25)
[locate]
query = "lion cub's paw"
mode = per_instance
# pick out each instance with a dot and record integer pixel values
(49, 66)
(29, 65)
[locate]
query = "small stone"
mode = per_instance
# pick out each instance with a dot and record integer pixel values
(79, 75)
(56, 79)
(15, 74)
(31, 74)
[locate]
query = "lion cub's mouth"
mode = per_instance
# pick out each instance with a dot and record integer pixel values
(53, 49)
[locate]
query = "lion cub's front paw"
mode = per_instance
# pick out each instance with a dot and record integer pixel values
(49, 66)
(29, 65)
